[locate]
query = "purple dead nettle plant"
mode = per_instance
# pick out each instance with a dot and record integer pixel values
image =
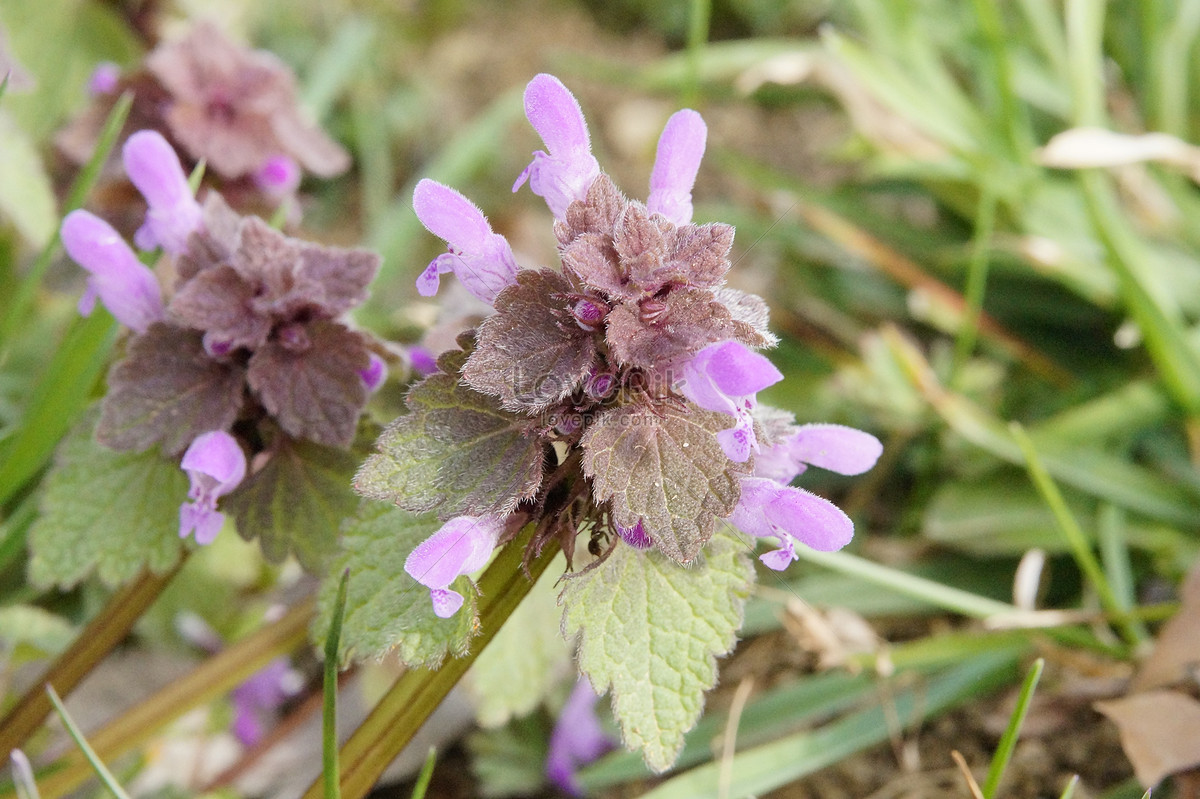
(246, 354)
(616, 397)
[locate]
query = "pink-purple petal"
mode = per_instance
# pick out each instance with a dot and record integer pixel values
(809, 519)
(837, 448)
(450, 216)
(739, 371)
(556, 116)
(680, 149)
(578, 738)
(461, 546)
(123, 283)
(173, 213)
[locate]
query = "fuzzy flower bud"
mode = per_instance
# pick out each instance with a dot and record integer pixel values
(589, 314)
(279, 176)
(680, 149)
(123, 283)
(481, 259)
(830, 446)
(635, 536)
(375, 373)
(565, 173)
(216, 465)
(104, 79)
(462, 545)
(174, 214)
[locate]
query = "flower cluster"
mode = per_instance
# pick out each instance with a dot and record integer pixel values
(216, 101)
(248, 350)
(615, 397)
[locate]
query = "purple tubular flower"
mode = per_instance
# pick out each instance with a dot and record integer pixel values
(830, 446)
(577, 739)
(279, 176)
(215, 464)
(423, 361)
(680, 149)
(260, 695)
(462, 545)
(635, 536)
(724, 377)
(375, 373)
(481, 259)
(770, 510)
(174, 214)
(566, 172)
(104, 79)
(126, 286)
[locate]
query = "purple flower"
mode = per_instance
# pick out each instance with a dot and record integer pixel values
(104, 78)
(830, 446)
(481, 259)
(261, 695)
(768, 509)
(577, 740)
(636, 536)
(126, 286)
(463, 545)
(279, 176)
(375, 373)
(565, 173)
(680, 149)
(174, 214)
(215, 464)
(724, 377)
(423, 362)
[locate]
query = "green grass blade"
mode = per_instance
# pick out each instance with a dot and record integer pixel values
(426, 774)
(80, 189)
(977, 271)
(337, 64)
(329, 737)
(101, 770)
(942, 596)
(1008, 741)
(764, 768)
(1078, 542)
(56, 400)
(1069, 791)
(699, 15)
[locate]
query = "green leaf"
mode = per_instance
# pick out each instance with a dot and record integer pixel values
(297, 502)
(661, 464)
(26, 196)
(456, 452)
(651, 630)
(386, 610)
(529, 644)
(35, 628)
(106, 511)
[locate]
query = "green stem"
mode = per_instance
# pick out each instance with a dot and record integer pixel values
(1076, 540)
(418, 692)
(79, 191)
(93, 759)
(329, 754)
(942, 596)
(91, 646)
(977, 272)
(216, 676)
(698, 20)
(1012, 111)
(1008, 742)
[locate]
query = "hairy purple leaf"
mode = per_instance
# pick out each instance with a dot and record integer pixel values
(656, 332)
(167, 390)
(311, 383)
(531, 353)
(661, 464)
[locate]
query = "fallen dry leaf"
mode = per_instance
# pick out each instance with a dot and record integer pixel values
(1160, 732)
(1177, 652)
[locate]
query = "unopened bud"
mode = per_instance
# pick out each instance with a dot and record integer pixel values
(589, 314)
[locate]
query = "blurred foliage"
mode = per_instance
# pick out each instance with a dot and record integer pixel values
(931, 280)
